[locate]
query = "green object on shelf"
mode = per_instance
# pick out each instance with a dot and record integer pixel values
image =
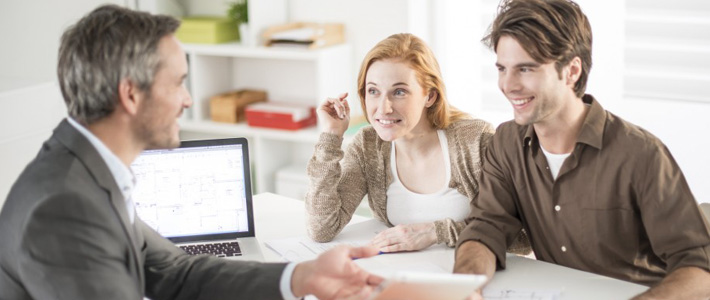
(238, 11)
(207, 30)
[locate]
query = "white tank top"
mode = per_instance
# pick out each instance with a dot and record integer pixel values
(407, 207)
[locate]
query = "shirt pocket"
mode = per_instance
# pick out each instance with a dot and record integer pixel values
(611, 236)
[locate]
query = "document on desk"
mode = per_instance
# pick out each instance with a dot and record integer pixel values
(302, 248)
(512, 294)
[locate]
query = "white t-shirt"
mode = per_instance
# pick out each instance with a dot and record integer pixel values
(407, 207)
(555, 161)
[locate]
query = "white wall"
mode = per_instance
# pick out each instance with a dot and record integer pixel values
(30, 100)
(30, 32)
(27, 118)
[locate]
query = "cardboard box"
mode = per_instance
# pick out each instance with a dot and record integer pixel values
(229, 107)
(310, 35)
(281, 115)
(207, 30)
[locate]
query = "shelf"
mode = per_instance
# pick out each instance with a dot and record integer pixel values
(237, 50)
(309, 134)
(293, 75)
(306, 135)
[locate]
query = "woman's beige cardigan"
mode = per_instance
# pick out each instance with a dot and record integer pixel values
(339, 180)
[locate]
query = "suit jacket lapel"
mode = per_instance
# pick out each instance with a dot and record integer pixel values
(89, 156)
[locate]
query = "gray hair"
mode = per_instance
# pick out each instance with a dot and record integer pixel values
(106, 46)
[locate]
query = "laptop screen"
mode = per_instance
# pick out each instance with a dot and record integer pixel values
(199, 191)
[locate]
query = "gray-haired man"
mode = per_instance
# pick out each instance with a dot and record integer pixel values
(67, 229)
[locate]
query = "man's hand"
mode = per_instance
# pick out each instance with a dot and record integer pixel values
(683, 283)
(475, 258)
(406, 237)
(334, 275)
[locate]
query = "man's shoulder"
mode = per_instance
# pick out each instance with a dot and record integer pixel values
(629, 136)
(54, 181)
(55, 170)
(510, 132)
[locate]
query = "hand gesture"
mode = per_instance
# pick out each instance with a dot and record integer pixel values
(334, 114)
(334, 275)
(406, 237)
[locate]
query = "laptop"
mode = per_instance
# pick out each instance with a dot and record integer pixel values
(199, 197)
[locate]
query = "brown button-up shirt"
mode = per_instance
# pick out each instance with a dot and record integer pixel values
(619, 207)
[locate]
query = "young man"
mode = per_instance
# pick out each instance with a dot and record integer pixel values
(68, 228)
(592, 191)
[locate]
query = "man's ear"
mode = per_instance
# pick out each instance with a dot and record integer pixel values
(574, 71)
(129, 96)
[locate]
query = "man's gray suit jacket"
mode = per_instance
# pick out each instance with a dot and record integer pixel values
(65, 234)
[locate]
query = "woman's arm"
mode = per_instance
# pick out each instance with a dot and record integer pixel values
(337, 185)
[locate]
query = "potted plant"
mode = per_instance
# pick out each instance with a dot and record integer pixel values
(239, 14)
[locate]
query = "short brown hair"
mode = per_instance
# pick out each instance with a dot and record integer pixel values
(549, 30)
(106, 46)
(413, 51)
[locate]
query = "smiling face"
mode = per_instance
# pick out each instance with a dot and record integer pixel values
(395, 102)
(536, 91)
(157, 115)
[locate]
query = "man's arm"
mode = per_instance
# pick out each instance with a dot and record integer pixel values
(665, 198)
(74, 248)
(683, 283)
(494, 219)
(173, 274)
(473, 257)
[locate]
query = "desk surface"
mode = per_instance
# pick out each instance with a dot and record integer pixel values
(280, 217)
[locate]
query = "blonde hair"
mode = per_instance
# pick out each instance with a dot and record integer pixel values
(412, 50)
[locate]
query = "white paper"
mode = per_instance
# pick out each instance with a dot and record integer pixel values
(302, 248)
(514, 294)
(298, 34)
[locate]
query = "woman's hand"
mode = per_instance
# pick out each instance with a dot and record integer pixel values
(406, 237)
(334, 115)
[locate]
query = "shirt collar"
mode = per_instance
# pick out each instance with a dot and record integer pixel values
(592, 132)
(121, 173)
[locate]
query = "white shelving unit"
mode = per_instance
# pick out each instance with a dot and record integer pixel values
(292, 75)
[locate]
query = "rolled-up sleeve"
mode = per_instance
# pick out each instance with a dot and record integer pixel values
(671, 217)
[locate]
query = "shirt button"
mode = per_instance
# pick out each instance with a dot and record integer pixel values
(557, 207)
(564, 249)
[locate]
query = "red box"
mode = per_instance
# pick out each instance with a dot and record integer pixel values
(280, 115)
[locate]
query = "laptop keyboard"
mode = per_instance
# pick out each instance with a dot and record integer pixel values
(217, 249)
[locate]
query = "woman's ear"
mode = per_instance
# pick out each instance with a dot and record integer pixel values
(431, 98)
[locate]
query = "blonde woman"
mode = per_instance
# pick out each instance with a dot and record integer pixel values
(418, 163)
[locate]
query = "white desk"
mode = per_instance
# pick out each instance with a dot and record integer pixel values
(279, 217)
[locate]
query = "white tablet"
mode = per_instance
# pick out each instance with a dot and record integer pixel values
(421, 286)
